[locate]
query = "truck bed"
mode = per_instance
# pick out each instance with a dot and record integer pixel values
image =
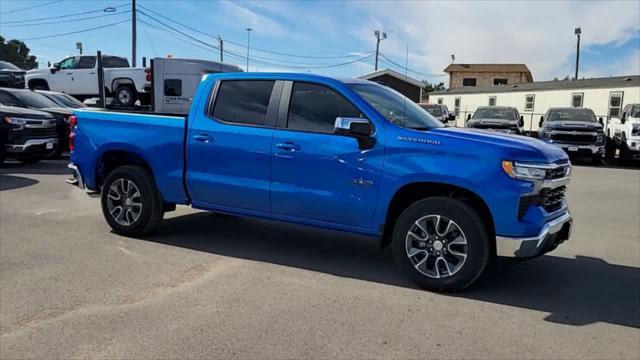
(157, 138)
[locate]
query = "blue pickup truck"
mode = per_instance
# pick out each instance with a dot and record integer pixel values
(347, 155)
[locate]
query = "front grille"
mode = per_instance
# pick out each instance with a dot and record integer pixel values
(40, 133)
(635, 131)
(556, 173)
(578, 139)
(549, 199)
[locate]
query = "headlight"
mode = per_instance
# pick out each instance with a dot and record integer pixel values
(523, 172)
(14, 121)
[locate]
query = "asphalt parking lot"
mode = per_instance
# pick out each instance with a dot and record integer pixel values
(211, 286)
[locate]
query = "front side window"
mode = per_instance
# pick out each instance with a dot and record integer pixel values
(86, 62)
(315, 108)
(469, 82)
(68, 63)
(529, 102)
(576, 100)
(396, 108)
(243, 101)
(615, 103)
(492, 101)
(172, 87)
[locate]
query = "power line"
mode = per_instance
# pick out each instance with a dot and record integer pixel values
(61, 16)
(389, 61)
(31, 7)
(75, 20)
(176, 30)
(76, 32)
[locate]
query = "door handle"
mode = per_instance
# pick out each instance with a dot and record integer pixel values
(202, 138)
(69, 73)
(92, 73)
(288, 146)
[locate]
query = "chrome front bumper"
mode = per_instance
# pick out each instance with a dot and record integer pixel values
(77, 176)
(20, 148)
(552, 234)
(595, 149)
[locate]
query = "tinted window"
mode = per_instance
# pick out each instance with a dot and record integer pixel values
(114, 62)
(34, 100)
(86, 62)
(8, 66)
(243, 101)
(173, 87)
(6, 99)
(316, 107)
(432, 109)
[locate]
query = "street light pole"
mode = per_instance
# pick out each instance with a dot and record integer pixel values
(133, 33)
(248, 45)
(379, 36)
(577, 31)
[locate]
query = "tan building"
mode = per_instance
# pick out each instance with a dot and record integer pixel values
(482, 75)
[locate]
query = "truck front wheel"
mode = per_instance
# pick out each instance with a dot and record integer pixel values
(131, 204)
(441, 243)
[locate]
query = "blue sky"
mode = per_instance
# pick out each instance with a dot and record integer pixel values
(321, 33)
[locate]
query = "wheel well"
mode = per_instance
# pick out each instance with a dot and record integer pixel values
(34, 82)
(113, 159)
(411, 193)
(122, 81)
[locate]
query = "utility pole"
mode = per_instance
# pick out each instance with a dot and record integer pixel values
(379, 36)
(133, 33)
(577, 31)
(221, 47)
(248, 45)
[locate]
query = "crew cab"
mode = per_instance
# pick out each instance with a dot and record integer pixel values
(78, 76)
(11, 75)
(623, 133)
(576, 130)
(349, 155)
(26, 135)
(496, 118)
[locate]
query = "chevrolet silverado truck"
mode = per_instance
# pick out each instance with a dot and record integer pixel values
(26, 135)
(497, 118)
(348, 155)
(623, 133)
(575, 130)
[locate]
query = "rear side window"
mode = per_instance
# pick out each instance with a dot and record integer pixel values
(173, 87)
(243, 101)
(114, 62)
(315, 108)
(86, 62)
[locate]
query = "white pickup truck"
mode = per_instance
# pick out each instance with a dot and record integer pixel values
(78, 76)
(623, 133)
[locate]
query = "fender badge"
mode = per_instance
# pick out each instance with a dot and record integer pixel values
(418, 140)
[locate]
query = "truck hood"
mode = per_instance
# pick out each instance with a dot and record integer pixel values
(59, 110)
(19, 112)
(511, 147)
(488, 122)
(574, 125)
(38, 71)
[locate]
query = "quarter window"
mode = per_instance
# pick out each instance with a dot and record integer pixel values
(529, 102)
(492, 101)
(615, 103)
(243, 101)
(173, 87)
(315, 108)
(576, 99)
(469, 82)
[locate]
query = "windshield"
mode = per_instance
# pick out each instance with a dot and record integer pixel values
(68, 100)
(433, 110)
(635, 111)
(34, 100)
(505, 114)
(396, 108)
(571, 115)
(8, 66)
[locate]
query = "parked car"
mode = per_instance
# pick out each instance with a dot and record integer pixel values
(62, 99)
(26, 135)
(575, 130)
(497, 118)
(78, 76)
(623, 133)
(30, 99)
(11, 75)
(347, 155)
(440, 112)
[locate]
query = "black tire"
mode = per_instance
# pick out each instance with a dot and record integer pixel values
(469, 222)
(152, 206)
(3, 154)
(596, 159)
(125, 96)
(609, 149)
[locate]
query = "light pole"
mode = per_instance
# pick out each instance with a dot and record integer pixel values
(248, 45)
(379, 36)
(577, 32)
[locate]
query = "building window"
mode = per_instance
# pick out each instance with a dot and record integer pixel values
(529, 102)
(456, 106)
(615, 103)
(576, 99)
(500, 81)
(469, 82)
(172, 87)
(492, 101)
(440, 100)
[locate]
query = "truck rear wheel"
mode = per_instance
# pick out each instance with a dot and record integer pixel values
(125, 95)
(131, 204)
(441, 244)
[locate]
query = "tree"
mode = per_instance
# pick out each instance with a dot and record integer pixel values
(17, 53)
(429, 87)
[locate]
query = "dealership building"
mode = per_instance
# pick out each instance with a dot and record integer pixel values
(605, 96)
